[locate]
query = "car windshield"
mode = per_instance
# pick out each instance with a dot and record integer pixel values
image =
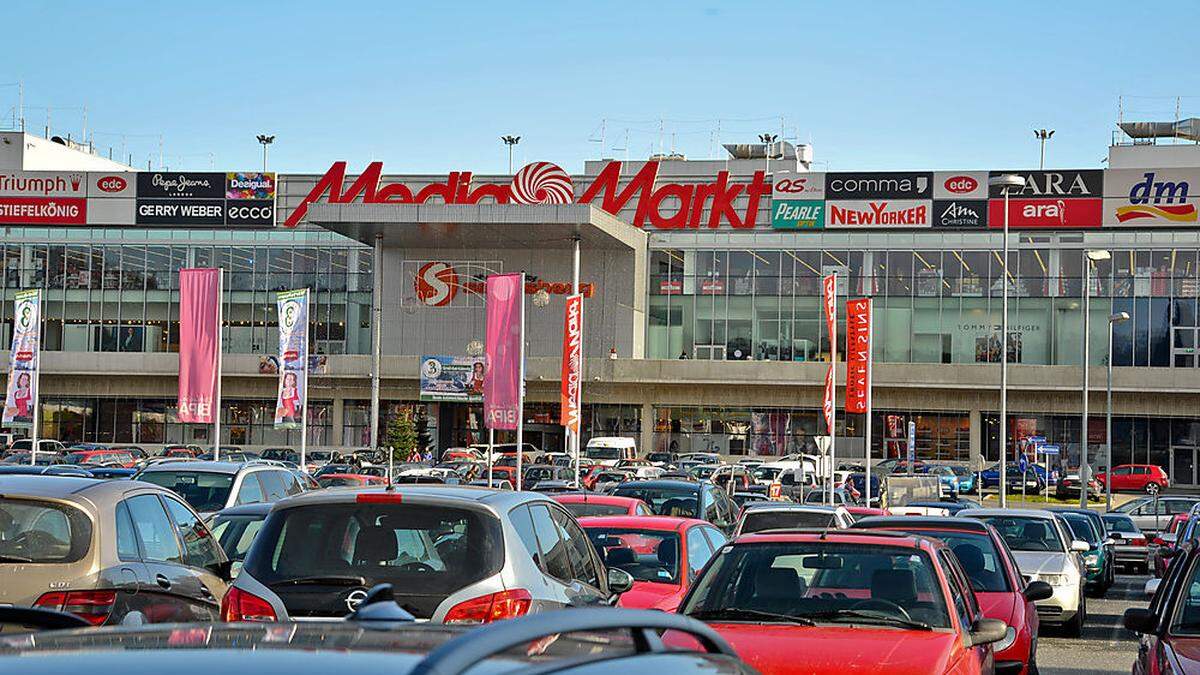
(539, 473)
(80, 457)
(821, 581)
(646, 554)
(236, 533)
(204, 490)
(584, 509)
(603, 453)
(1026, 534)
(426, 552)
(1117, 522)
(34, 531)
(338, 481)
(758, 520)
(1082, 528)
(665, 501)
(702, 472)
(978, 556)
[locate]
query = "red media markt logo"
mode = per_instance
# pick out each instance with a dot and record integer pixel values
(112, 183)
(436, 284)
(541, 183)
(961, 185)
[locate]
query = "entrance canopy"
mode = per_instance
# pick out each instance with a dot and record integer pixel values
(500, 226)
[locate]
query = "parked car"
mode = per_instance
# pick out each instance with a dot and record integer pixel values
(497, 483)
(583, 504)
(1098, 563)
(212, 486)
(1130, 547)
(107, 551)
(741, 499)
(1152, 514)
(994, 576)
(22, 459)
(545, 472)
(451, 554)
(956, 479)
(348, 480)
(101, 457)
(789, 516)
(1169, 629)
(46, 446)
(277, 454)
(1044, 551)
(1068, 487)
(860, 512)
(1031, 480)
(952, 506)
(663, 555)
(235, 529)
(1146, 478)
(455, 454)
(1184, 533)
(844, 601)
(684, 499)
(192, 451)
(608, 450)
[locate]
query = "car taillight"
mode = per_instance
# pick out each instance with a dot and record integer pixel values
(489, 608)
(238, 605)
(379, 498)
(91, 606)
(1137, 541)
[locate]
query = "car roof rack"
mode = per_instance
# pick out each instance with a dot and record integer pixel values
(464, 652)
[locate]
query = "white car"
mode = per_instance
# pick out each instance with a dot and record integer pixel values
(760, 516)
(1044, 551)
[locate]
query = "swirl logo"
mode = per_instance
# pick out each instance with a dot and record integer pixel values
(436, 284)
(542, 183)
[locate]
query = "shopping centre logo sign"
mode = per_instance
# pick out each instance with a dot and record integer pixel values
(665, 206)
(437, 283)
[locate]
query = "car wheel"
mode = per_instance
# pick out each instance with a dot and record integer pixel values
(1074, 627)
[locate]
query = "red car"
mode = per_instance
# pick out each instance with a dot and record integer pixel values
(348, 480)
(994, 576)
(584, 504)
(867, 511)
(1169, 629)
(663, 554)
(1146, 478)
(844, 601)
(106, 457)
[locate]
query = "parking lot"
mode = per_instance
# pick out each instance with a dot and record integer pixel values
(1106, 647)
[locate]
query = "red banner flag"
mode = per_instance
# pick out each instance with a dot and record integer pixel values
(572, 364)
(829, 294)
(828, 406)
(199, 346)
(858, 355)
(502, 395)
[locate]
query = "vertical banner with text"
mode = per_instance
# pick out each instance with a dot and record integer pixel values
(502, 345)
(829, 300)
(20, 401)
(858, 356)
(292, 397)
(199, 343)
(571, 395)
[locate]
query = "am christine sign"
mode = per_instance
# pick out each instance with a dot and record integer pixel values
(662, 206)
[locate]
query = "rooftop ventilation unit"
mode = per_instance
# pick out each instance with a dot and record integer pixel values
(1188, 129)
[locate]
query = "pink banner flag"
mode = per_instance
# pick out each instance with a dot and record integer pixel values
(502, 383)
(199, 350)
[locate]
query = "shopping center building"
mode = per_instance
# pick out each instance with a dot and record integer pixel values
(701, 281)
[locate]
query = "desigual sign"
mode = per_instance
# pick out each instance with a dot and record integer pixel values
(666, 206)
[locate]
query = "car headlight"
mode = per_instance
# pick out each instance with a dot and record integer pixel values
(1010, 636)
(1091, 558)
(1055, 579)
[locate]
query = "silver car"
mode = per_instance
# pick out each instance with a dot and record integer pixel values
(451, 554)
(212, 486)
(1154, 514)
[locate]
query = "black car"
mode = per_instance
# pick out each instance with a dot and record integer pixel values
(684, 499)
(378, 637)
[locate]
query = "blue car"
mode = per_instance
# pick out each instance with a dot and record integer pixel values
(1037, 476)
(957, 479)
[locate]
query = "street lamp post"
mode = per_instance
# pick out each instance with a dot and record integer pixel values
(1006, 181)
(1113, 320)
(1085, 470)
(265, 140)
(767, 140)
(1043, 135)
(510, 141)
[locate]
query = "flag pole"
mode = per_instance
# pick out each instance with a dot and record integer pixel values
(37, 387)
(521, 384)
(304, 403)
(216, 412)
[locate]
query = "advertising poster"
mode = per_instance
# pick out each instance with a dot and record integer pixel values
(199, 343)
(858, 355)
(502, 344)
(453, 378)
(293, 359)
(20, 401)
(571, 394)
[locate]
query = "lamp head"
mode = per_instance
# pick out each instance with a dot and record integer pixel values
(1098, 255)
(1118, 317)
(1006, 180)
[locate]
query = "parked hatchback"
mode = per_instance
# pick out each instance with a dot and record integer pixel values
(1146, 478)
(451, 554)
(108, 551)
(212, 486)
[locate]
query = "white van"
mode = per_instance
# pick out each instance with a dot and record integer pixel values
(608, 450)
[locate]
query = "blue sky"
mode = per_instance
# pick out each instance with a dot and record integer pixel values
(431, 86)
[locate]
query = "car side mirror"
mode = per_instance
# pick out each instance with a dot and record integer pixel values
(1141, 620)
(1110, 542)
(619, 581)
(222, 570)
(987, 631)
(1080, 546)
(1038, 590)
(1151, 587)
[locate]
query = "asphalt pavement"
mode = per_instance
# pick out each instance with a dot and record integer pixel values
(1105, 647)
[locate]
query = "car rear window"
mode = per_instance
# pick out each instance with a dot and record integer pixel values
(780, 520)
(204, 490)
(34, 531)
(583, 510)
(426, 552)
(665, 501)
(647, 555)
(338, 481)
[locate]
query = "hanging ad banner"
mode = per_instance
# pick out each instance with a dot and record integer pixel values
(571, 394)
(829, 294)
(502, 346)
(858, 355)
(827, 406)
(20, 401)
(293, 359)
(199, 346)
(452, 378)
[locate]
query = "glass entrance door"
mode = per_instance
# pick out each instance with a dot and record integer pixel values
(1183, 347)
(1183, 465)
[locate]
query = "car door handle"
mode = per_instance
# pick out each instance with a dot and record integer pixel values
(163, 581)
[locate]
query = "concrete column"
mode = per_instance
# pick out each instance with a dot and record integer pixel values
(337, 418)
(976, 446)
(646, 442)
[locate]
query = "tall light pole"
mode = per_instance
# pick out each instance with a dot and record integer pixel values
(1007, 182)
(1085, 471)
(1043, 135)
(1113, 320)
(767, 140)
(266, 141)
(510, 141)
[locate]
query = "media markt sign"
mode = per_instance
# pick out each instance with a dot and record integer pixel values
(797, 214)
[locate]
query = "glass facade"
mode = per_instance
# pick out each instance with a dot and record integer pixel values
(937, 297)
(117, 289)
